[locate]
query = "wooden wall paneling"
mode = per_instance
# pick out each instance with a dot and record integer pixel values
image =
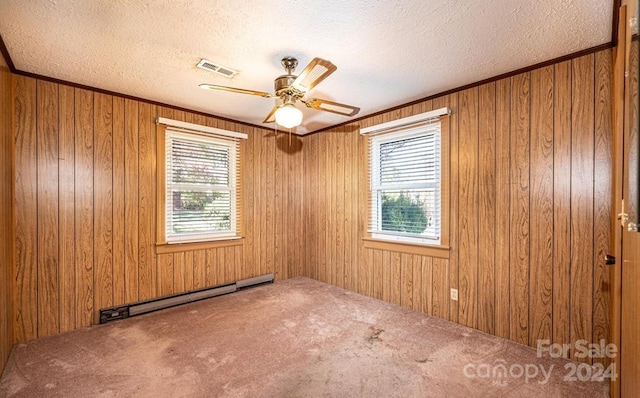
(7, 234)
(487, 207)
(147, 285)
(602, 193)
(330, 248)
(84, 202)
(406, 280)
(26, 206)
(103, 199)
(454, 141)
(238, 256)
(221, 266)
(358, 189)
(199, 269)
(541, 206)
(396, 278)
(229, 264)
(329, 219)
(582, 168)
(210, 268)
(310, 230)
(339, 208)
(503, 200)
(519, 209)
(440, 288)
(131, 167)
(165, 274)
(324, 207)
(119, 184)
(561, 201)
(378, 274)
(297, 202)
(427, 285)
(247, 211)
(179, 270)
(386, 275)
(318, 207)
(416, 283)
(280, 201)
(468, 207)
(253, 220)
(259, 155)
(370, 273)
(269, 208)
(350, 222)
(289, 218)
(47, 216)
(67, 205)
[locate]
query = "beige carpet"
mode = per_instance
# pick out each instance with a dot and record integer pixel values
(294, 338)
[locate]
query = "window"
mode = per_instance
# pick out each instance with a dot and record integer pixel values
(200, 187)
(405, 180)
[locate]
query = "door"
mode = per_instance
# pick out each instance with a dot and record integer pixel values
(630, 218)
(630, 265)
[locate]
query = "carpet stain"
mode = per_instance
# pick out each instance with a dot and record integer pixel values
(375, 335)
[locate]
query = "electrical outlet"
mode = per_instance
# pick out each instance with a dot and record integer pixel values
(454, 294)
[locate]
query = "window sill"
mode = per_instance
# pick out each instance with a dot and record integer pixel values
(162, 248)
(407, 247)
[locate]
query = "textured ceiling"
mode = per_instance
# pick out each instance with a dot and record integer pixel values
(387, 52)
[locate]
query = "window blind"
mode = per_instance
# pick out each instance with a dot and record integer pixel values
(405, 200)
(202, 196)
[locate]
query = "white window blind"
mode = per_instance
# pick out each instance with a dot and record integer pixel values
(405, 184)
(201, 200)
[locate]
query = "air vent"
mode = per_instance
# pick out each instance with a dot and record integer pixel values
(217, 68)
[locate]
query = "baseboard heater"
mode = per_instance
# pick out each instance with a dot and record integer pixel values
(126, 311)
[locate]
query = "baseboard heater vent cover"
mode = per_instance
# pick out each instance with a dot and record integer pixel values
(125, 311)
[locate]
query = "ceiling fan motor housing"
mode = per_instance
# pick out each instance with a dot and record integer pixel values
(282, 84)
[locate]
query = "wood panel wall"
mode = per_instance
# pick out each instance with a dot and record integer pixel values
(6, 214)
(530, 208)
(85, 200)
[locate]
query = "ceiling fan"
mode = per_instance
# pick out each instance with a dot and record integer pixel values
(290, 88)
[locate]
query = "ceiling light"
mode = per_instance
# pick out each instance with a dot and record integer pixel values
(288, 116)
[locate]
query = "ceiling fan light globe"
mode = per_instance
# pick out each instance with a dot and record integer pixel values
(288, 116)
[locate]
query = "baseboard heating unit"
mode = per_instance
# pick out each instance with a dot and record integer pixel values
(126, 311)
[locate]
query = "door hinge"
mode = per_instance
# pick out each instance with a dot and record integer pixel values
(622, 216)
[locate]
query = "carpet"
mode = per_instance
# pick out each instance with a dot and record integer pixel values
(293, 338)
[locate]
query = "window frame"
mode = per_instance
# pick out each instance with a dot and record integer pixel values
(377, 186)
(196, 133)
(229, 188)
(405, 126)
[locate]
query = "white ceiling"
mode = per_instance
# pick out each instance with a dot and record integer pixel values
(387, 52)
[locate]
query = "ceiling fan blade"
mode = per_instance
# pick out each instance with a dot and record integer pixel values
(236, 90)
(317, 70)
(334, 107)
(271, 117)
